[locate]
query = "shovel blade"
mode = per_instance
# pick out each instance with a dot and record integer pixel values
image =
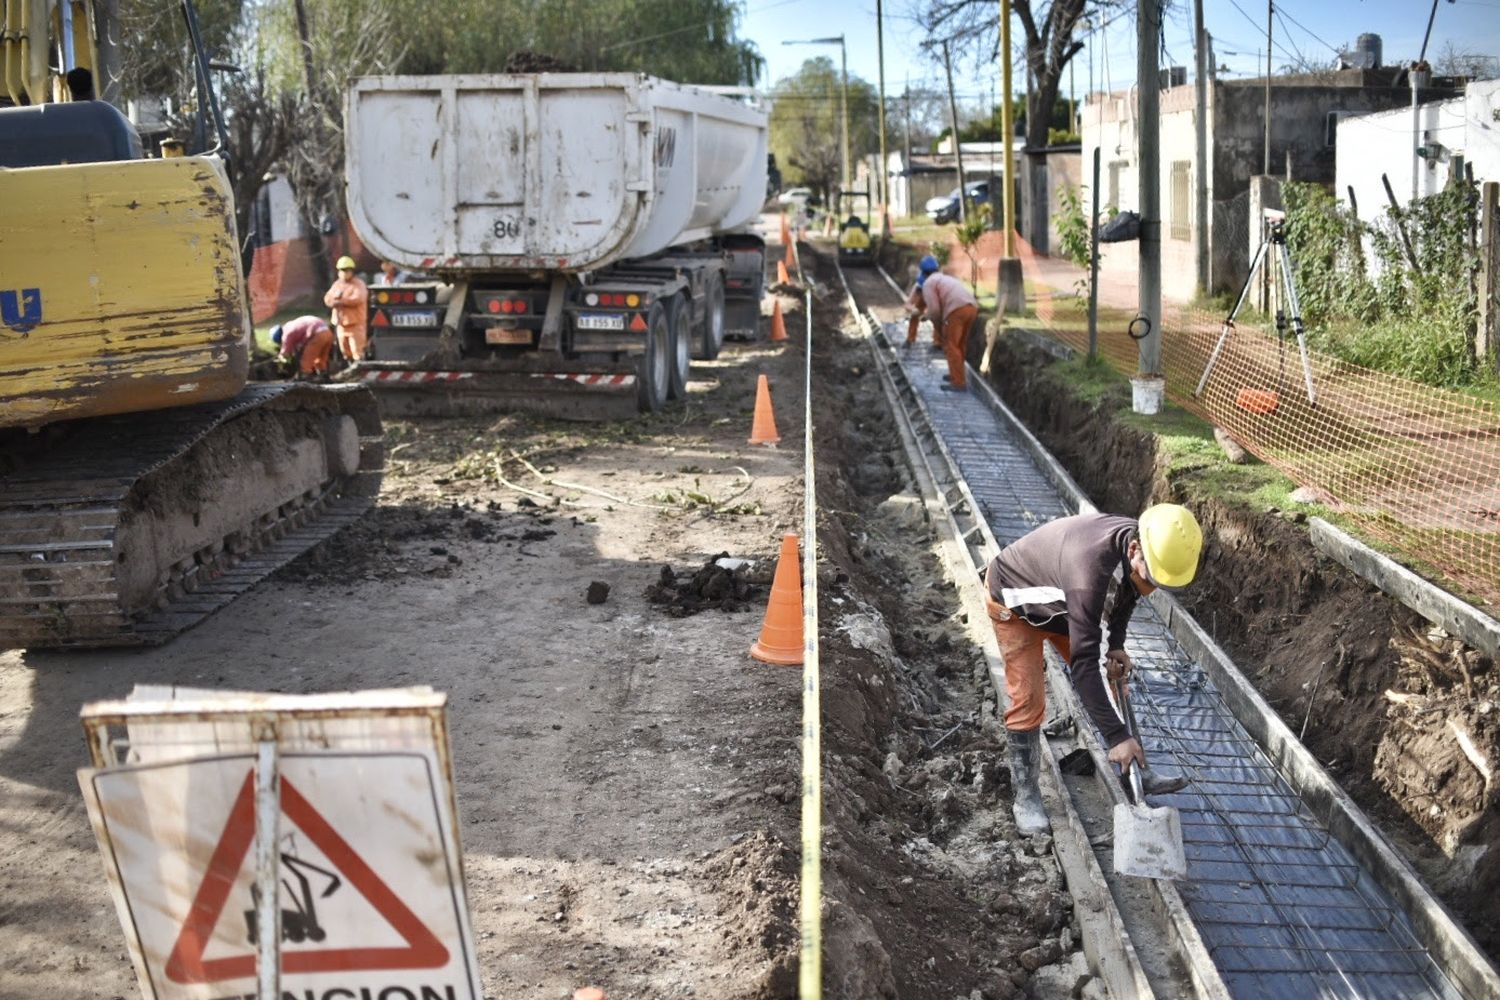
(1148, 842)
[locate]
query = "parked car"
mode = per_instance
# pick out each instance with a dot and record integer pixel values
(945, 209)
(795, 196)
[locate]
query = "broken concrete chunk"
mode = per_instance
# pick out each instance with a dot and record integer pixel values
(598, 592)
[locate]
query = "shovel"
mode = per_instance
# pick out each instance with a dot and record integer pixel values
(1148, 841)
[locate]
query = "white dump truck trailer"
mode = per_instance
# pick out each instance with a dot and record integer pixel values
(586, 235)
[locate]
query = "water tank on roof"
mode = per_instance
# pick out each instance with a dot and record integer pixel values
(1367, 50)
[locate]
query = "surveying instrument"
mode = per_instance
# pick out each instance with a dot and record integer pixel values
(1285, 294)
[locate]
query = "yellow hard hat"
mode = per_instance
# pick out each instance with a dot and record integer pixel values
(1171, 542)
(346, 263)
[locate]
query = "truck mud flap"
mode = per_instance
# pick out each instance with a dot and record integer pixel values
(585, 396)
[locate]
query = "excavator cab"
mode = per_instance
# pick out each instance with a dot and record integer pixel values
(120, 284)
(143, 485)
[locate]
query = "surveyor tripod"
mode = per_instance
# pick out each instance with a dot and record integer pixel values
(1286, 302)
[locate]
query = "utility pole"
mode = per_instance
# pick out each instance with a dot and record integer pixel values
(1200, 167)
(1148, 83)
(1007, 126)
(958, 149)
(883, 182)
(1265, 166)
(1416, 114)
(1010, 289)
(906, 101)
(844, 104)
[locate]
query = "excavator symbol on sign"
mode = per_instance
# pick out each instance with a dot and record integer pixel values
(301, 922)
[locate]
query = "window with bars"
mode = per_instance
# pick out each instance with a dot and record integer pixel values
(1181, 223)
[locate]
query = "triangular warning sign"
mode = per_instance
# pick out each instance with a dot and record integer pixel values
(380, 318)
(187, 965)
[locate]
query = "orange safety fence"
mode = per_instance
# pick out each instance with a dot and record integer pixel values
(1413, 466)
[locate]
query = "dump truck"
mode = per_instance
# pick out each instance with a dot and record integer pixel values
(587, 234)
(143, 485)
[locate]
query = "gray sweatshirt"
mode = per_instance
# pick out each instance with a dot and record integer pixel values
(1072, 577)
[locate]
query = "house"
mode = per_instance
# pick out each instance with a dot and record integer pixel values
(1305, 110)
(1448, 139)
(930, 175)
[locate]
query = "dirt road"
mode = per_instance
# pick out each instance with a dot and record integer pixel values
(628, 778)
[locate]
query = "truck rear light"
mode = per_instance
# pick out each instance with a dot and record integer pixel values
(493, 305)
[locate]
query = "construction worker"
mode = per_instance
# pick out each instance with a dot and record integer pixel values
(390, 274)
(952, 309)
(349, 298)
(916, 305)
(1074, 582)
(306, 341)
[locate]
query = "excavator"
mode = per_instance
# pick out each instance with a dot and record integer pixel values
(144, 484)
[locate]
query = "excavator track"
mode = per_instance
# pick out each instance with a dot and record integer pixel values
(132, 529)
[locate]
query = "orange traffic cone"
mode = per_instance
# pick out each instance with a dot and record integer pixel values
(782, 278)
(781, 636)
(778, 323)
(786, 231)
(763, 430)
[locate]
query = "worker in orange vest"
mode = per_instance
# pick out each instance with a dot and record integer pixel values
(349, 298)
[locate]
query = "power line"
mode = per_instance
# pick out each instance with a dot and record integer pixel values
(1333, 48)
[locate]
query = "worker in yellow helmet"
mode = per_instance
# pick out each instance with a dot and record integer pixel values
(1074, 583)
(349, 298)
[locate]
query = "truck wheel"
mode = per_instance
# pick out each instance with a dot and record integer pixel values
(682, 345)
(712, 336)
(652, 371)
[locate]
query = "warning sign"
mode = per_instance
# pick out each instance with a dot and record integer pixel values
(368, 874)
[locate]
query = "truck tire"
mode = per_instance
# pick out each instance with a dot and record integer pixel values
(653, 369)
(711, 337)
(681, 312)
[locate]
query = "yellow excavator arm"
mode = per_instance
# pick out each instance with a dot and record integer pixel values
(31, 29)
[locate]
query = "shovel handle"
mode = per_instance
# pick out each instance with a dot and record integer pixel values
(1137, 793)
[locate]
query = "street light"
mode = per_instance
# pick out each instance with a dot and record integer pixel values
(843, 92)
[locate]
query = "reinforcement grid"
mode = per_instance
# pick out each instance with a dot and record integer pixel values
(1283, 908)
(1414, 466)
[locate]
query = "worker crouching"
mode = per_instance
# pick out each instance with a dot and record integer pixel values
(953, 309)
(307, 342)
(1074, 583)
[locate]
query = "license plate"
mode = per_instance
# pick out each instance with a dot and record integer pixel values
(424, 318)
(596, 321)
(507, 335)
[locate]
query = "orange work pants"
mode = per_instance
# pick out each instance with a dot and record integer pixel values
(352, 342)
(911, 330)
(1025, 667)
(956, 341)
(315, 352)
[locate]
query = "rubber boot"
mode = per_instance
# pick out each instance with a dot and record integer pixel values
(1025, 772)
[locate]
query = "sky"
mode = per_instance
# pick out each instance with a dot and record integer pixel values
(1314, 28)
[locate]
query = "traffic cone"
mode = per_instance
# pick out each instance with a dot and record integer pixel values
(782, 278)
(781, 636)
(778, 323)
(786, 231)
(763, 430)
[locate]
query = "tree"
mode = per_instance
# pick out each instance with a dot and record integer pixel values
(807, 128)
(1454, 61)
(1048, 28)
(690, 41)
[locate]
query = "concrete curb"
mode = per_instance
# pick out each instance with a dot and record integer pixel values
(1426, 598)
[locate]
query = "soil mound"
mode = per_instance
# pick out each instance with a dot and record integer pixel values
(719, 584)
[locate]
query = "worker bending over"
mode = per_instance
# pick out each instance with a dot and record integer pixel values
(349, 299)
(952, 309)
(306, 341)
(1074, 582)
(916, 307)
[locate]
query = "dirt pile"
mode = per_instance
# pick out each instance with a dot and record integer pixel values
(930, 891)
(719, 584)
(1381, 694)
